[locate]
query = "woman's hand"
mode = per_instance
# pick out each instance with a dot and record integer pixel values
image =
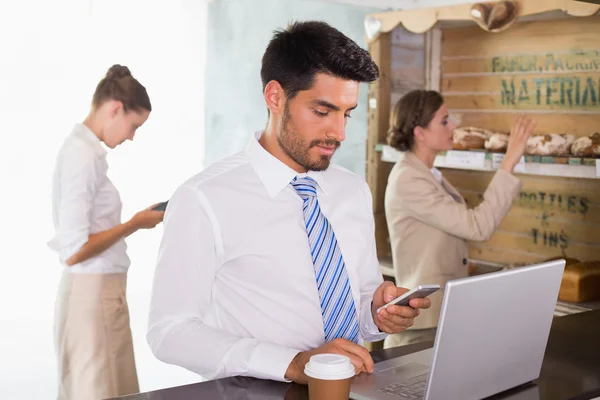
(519, 133)
(148, 218)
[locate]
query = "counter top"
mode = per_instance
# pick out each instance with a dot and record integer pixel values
(571, 370)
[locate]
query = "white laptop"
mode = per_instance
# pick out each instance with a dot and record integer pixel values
(492, 335)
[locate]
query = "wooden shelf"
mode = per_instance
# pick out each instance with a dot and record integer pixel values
(572, 167)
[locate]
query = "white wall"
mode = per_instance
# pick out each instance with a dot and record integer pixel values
(235, 107)
(52, 54)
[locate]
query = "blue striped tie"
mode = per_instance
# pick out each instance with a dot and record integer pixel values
(337, 305)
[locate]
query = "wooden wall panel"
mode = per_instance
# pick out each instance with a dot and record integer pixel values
(551, 71)
(547, 69)
(550, 217)
(524, 38)
(378, 120)
(400, 56)
(480, 101)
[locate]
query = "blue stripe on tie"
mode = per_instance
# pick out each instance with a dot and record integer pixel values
(309, 220)
(331, 312)
(313, 218)
(317, 251)
(330, 288)
(326, 261)
(337, 304)
(342, 326)
(326, 264)
(353, 337)
(318, 241)
(333, 305)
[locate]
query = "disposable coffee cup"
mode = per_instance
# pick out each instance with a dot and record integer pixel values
(329, 377)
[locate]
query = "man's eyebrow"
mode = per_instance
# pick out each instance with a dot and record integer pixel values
(331, 106)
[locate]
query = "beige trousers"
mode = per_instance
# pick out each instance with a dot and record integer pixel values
(93, 338)
(410, 336)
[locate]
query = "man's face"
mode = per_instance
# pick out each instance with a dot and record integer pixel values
(313, 123)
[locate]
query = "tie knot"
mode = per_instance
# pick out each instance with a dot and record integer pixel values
(305, 186)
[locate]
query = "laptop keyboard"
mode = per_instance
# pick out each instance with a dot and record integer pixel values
(411, 389)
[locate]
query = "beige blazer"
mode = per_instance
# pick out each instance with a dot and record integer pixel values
(429, 224)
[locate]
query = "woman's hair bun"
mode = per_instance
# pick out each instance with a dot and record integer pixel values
(117, 71)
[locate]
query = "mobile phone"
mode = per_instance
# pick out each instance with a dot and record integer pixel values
(419, 292)
(160, 206)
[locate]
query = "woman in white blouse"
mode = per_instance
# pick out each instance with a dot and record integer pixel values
(93, 336)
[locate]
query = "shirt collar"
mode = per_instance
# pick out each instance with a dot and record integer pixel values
(273, 173)
(437, 174)
(85, 133)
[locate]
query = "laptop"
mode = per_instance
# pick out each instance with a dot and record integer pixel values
(491, 337)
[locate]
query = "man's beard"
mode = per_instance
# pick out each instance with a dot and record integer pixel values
(294, 146)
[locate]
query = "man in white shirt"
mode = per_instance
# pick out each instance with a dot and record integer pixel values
(268, 256)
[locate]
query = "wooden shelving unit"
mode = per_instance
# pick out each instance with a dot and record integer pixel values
(547, 65)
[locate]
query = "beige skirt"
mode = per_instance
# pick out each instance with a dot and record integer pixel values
(93, 338)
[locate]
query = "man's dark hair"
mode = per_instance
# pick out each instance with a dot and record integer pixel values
(303, 49)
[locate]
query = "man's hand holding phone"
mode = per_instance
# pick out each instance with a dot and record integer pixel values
(393, 318)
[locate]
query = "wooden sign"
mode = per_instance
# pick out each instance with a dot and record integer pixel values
(567, 80)
(548, 69)
(550, 217)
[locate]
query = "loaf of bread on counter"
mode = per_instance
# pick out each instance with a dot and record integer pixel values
(587, 146)
(581, 282)
(552, 144)
(470, 138)
(497, 142)
(568, 260)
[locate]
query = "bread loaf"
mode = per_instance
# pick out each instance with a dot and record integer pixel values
(587, 146)
(552, 144)
(568, 260)
(470, 138)
(581, 282)
(497, 142)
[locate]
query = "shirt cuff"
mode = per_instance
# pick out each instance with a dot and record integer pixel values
(369, 331)
(269, 361)
(67, 244)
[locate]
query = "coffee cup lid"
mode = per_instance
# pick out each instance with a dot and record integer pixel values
(329, 367)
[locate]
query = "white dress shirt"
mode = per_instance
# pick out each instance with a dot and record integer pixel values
(234, 289)
(84, 201)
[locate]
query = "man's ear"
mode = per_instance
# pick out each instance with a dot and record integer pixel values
(274, 97)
